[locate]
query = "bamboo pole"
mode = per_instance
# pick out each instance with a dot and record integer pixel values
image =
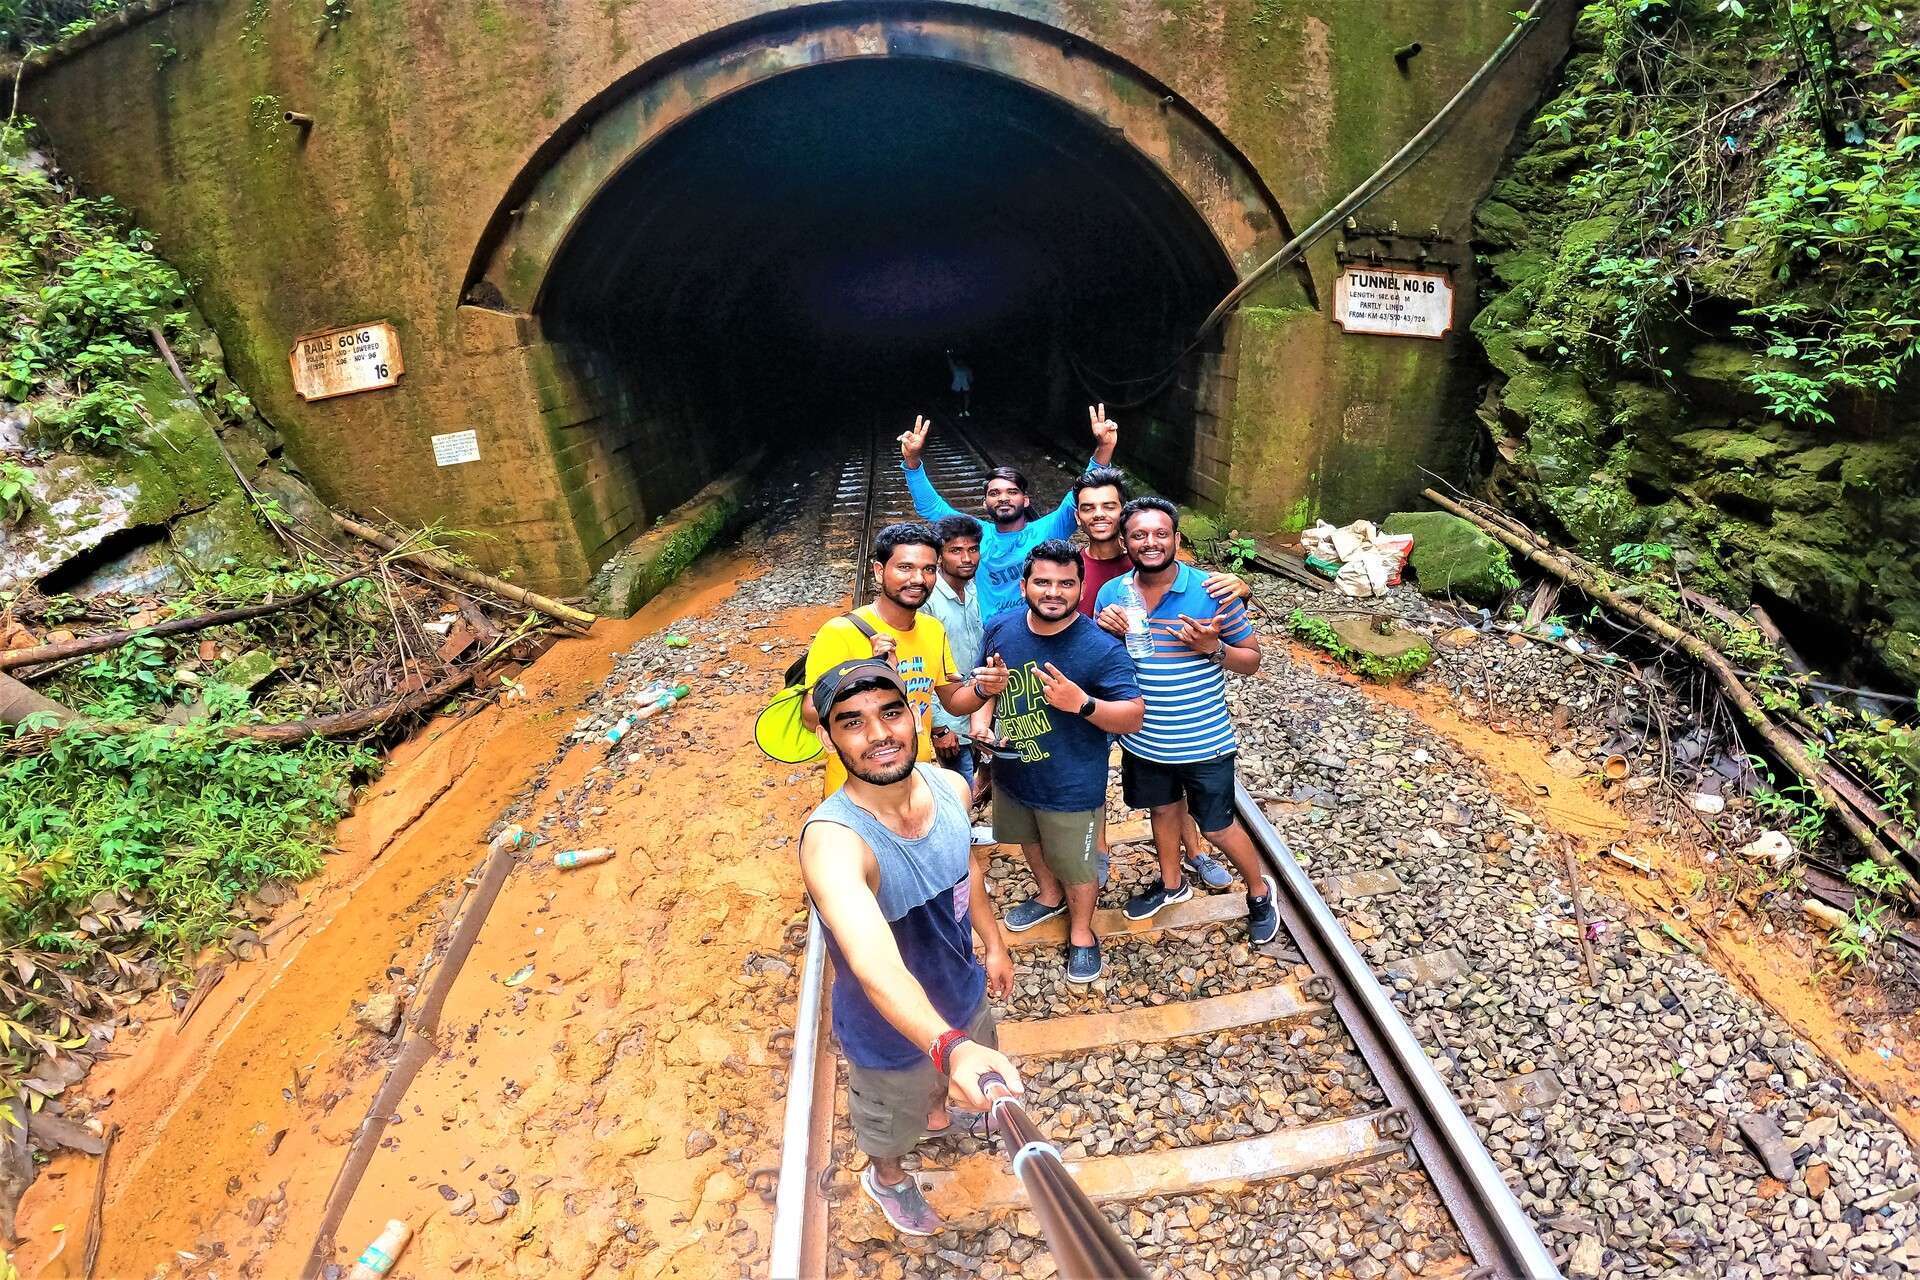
(473, 577)
(1785, 747)
(12, 658)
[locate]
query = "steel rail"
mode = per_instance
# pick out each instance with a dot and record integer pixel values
(788, 1248)
(1495, 1228)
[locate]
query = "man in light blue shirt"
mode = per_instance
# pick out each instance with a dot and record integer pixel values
(1016, 528)
(955, 602)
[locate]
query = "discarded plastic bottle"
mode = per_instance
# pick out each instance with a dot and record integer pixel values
(1139, 634)
(379, 1256)
(622, 727)
(580, 858)
(666, 699)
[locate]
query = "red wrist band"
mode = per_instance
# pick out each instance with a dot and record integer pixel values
(943, 1048)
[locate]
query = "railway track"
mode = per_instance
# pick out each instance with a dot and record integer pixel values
(1222, 1102)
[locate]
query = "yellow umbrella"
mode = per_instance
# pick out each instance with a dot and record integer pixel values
(781, 733)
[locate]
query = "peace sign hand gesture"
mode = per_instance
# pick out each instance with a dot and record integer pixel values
(913, 440)
(991, 677)
(1060, 692)
(1201, 637)
(1106, 432)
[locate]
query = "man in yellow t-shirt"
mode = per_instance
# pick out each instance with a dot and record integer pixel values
(905, 557)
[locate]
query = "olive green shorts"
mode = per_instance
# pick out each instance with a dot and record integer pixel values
(889, 1109)
(1066, 840)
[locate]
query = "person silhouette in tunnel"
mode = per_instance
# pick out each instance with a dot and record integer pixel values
(962, 383)
(1014, 527)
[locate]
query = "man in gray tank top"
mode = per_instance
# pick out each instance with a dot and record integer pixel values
(885, 860)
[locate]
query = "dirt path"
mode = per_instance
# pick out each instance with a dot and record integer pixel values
(572, 1093)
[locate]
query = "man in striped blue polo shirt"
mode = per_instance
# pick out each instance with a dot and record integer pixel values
(1186, 746)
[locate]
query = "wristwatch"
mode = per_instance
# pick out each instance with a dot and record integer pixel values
(1086, 708)
(1218, 656)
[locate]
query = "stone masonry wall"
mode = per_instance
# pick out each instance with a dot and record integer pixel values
(427, 112)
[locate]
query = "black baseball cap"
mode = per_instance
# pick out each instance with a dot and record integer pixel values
(844, 675)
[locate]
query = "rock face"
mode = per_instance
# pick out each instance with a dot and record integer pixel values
(1452, 557)
(140, 520)
(1639, 391)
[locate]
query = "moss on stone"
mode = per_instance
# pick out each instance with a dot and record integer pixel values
(1452, 556)
(1354, 644)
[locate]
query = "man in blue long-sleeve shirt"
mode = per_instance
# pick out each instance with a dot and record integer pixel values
(1015, 527)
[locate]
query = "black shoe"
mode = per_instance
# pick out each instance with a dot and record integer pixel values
(1143, 906)
(1263, 918)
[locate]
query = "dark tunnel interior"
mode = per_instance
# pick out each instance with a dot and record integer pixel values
(792, 262)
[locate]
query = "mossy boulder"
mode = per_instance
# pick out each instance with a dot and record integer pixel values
(1452, 556)
(1499, 226)
(1718, 375)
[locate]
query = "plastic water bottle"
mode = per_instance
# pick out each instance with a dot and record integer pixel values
(379, 1256)
(1139, 634)
(653, 702)
(572, 858)
(659, 702)
(622, 727)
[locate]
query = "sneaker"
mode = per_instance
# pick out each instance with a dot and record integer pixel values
(1142, 906)
(1263, 918)
(1022, 916)
(1207, 870)
(1083, 963)
(983, 835)
(904, 1206)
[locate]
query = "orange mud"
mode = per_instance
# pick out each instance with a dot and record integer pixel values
(637, 1026)
(1783, 970)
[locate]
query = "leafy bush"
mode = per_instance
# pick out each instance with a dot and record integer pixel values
(25, 23)
(180, 820)
(80, 290)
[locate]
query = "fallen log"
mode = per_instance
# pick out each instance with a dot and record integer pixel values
(1785, 747)
(84, 645)
(342, 723)
(17, 702)
(473, 577)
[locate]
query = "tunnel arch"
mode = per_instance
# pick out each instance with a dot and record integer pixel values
(676, 312)
(540, 209)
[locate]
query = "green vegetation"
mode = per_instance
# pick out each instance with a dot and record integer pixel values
(1704, 311)
(26, 24)
(78, 290)
(132, 839)
(1319, 633)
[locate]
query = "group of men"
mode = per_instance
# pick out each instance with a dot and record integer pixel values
(1007, 641)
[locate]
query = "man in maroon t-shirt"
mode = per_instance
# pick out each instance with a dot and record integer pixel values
(1098, 496)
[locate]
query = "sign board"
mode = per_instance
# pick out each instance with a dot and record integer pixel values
(455, 447)
(339, 362)
(1393, 301)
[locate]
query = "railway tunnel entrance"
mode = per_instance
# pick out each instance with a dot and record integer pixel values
(798, 259)
(781, 249)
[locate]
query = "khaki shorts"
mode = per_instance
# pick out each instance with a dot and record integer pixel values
(1066, 840)
(889, 1108)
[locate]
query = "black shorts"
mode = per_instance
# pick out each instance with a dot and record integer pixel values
(1206, 785)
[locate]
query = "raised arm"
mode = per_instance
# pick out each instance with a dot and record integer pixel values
(1061, 523)
(836, 868)
(926, 500)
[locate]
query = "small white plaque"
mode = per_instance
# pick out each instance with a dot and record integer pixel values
(455, 447)
(1393, 301)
